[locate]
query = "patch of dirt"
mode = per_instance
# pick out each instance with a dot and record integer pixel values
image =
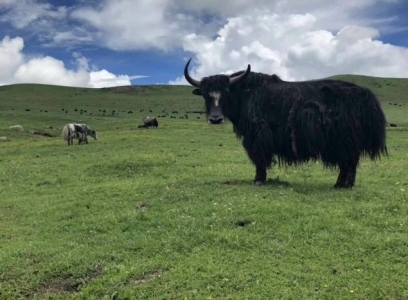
(143, 207)
(243, 223)
(147, 277)
(41, 133)
(60, 285)
(68, 283)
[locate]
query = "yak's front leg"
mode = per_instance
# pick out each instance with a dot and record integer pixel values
(347, 175)
(260, 176)
(341, 179)
(260, 157)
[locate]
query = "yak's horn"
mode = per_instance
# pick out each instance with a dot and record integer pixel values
(191, 80)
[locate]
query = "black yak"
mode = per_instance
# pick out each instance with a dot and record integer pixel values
(150, 121)
(328, 120)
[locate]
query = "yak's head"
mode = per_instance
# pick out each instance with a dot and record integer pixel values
(93, 134)
(215, 90)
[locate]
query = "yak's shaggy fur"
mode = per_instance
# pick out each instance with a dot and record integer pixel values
(328, 120)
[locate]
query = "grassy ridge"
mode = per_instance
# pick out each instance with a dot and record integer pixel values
(171, 213)
(392, 93)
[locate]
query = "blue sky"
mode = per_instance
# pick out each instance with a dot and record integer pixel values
(120, 42)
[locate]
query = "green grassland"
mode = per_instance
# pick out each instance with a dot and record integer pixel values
(171, 213)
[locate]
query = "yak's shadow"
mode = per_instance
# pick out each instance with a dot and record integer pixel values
(268, 182)
(296, 186)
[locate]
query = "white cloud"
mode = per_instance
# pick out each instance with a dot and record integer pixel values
(124, 25)
(16, 68)
(293, 47)
(10, 57)
(22, 13)
(103, 78)
(74, 37)
(162, 24)
(50, 71)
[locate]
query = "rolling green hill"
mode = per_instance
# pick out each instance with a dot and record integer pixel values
(392, 92)
(60, 99)
(69, 101)
(388, 90)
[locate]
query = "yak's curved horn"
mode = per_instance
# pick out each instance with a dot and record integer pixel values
(238, 78)
(192, 81)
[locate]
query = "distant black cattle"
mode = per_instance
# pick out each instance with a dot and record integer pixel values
(330, 120)
(393, 125)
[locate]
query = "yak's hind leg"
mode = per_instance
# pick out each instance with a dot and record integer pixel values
(347, 175)
(70, 139)
(341, 179)
(260, 175)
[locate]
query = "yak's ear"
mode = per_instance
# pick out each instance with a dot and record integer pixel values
(197, 92)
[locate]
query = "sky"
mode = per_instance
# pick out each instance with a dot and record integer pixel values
(105, 43)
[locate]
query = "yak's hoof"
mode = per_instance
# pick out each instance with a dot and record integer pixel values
(258, 183)
(342, 186)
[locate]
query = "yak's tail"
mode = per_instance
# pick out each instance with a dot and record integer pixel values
(375, 123)
(65, 132)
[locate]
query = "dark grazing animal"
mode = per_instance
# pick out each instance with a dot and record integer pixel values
(150, 121)
(79, 131)
(328, 120)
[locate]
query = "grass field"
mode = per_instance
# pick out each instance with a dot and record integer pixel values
(171, 213)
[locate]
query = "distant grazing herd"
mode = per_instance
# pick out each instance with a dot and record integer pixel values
(333, 121)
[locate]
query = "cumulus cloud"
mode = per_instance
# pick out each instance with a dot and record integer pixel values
(162, 24)
(104, 78)
(16, 68)
(23, 13)
(122, 25)
(51, 71)
(293, 47)
(10, 57)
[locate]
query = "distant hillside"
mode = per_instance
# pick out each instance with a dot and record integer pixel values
(388, 90)
(137, 101)
(394, 90)
(99, 102)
